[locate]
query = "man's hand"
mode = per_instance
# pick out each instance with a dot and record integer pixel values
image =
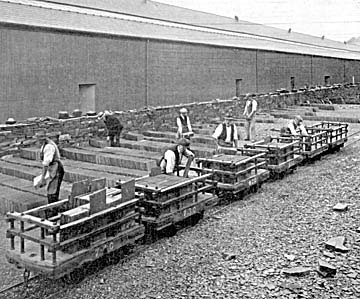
(42, 182)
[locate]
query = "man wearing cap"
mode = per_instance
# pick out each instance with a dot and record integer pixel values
(52, 168)
(183, 124)
(226, 133)
(172, 157)
(250, 113)
(113, 126)
(294, 126)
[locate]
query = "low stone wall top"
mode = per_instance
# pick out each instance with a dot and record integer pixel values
(75, 131)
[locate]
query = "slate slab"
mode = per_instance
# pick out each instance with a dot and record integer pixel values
(341, 207)
(327, 268)
(296, 271)
(337, 244)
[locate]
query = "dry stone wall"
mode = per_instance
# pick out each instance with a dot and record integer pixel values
(76, 131)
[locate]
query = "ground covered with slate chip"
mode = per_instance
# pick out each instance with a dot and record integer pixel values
(245, 249)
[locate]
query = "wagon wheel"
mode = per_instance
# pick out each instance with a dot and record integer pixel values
(74, 277)
(198, 217)
(26, 276)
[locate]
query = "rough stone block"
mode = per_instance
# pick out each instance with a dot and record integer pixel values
(128, 190)
(15, 200)
(74, 214)
(155, 171)
(30, 153)
(97, 201)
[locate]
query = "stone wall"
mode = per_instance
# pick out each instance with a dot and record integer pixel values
(75, 131)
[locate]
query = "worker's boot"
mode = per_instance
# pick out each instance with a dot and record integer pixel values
(112, 143)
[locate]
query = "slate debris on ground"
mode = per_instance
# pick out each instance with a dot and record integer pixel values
(326, 269)
(337, 244)
(341, 207)
(261, 231)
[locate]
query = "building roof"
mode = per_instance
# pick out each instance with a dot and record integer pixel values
(161, 11)
(104, 20)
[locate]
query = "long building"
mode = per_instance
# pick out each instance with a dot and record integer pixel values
(118, 54)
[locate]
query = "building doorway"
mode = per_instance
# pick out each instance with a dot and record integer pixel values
(238, 87)
(292, 83)
(327, 80)
(87, 97)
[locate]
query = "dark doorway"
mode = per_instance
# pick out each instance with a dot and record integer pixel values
(292, 83)
(327, 80)
(87, 97)
(238, 87)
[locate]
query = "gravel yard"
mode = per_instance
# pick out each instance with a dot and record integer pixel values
(241, 252)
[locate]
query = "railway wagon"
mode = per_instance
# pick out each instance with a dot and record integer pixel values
(336, 133)
(169, 201)
(57, 239)
(235, 173)
(311, 146)
(281, 155)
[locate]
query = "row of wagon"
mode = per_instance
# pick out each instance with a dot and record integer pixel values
(56, 239)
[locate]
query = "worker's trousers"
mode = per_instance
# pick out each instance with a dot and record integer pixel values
(250, 128)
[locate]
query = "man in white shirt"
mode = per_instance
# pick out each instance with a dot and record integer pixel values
(172, 157)
(226, 133)
(52, 169)
(296, 126)
(251, 107)
(183, 123)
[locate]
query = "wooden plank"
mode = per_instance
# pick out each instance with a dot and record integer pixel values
(187, 166)
(30, 237)
(101, 213)
(34, 220)
(98, 230)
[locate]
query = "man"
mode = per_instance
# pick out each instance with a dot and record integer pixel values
(251, 106)
(183, 124)
(172, 157)
(113, 126)
(226, 133)
(294, 127)
(52, 168)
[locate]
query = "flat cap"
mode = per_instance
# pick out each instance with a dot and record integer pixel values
(299, 118)
(184, 142)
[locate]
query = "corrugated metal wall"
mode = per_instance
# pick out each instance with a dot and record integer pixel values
(40, 71)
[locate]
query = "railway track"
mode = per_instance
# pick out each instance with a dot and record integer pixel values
(352, 139)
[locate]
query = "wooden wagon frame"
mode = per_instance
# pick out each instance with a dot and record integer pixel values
(169, 206)
(281, 154)
(50, 248)
(311, 146)
(235, 174)
(336, 133)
